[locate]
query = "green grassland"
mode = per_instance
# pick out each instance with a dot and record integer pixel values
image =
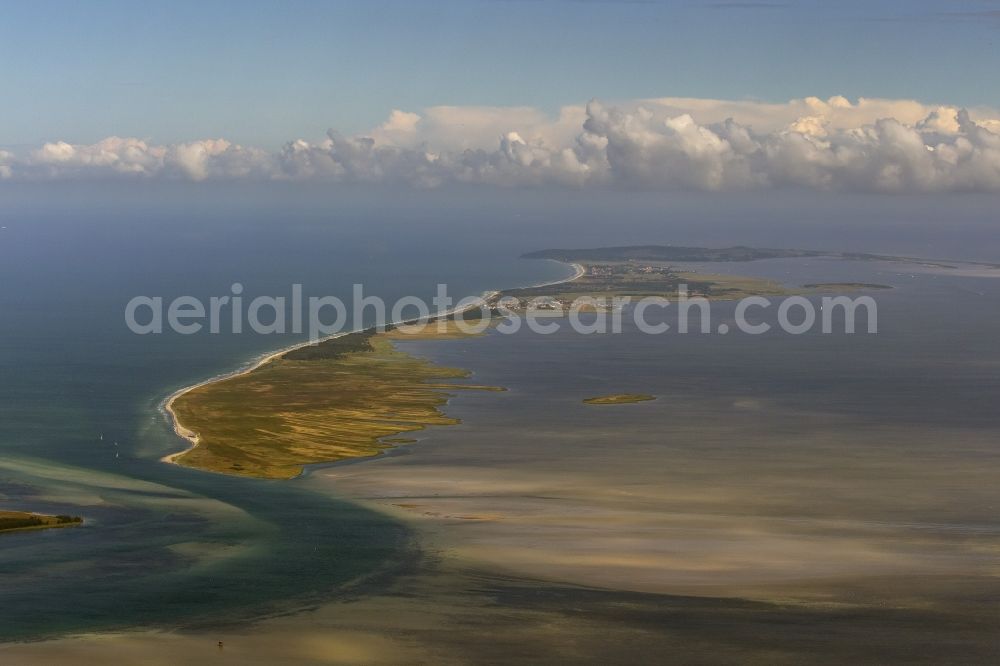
(333, 348)
(19, 521)
(341, 401)
(641, 279)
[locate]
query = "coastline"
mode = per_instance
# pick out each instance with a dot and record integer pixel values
(35, 521)
(191, 437)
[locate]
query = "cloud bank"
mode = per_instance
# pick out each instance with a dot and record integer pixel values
(655, 144)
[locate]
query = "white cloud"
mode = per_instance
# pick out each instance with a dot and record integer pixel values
(837, 112)
(5, 169)
(665, 143)
(112, 154)
(458, 128)
(192, 158)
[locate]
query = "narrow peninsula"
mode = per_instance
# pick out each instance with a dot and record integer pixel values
(346, 397)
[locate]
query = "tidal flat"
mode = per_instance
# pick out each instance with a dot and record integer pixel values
(782, 492)
(785, 499)
(619, 399)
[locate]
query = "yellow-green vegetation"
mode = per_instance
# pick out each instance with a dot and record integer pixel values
(641, 279)
(322, 403)
(619, 399)
(440, 329)
(18, 521)
(716, 286)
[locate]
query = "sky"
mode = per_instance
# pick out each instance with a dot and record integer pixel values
(260, 75)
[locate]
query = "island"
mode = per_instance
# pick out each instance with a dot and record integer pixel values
(741, 253)
(670, 253)
(619, 399)
(21, 521)
(358, 395)
(639, 279)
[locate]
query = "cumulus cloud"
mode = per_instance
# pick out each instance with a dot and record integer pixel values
(457, 128)
(837, 112)
(114, 154)
(5, 170)
(194, 160)
(664, 143)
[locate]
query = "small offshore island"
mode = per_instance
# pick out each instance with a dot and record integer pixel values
(22, 521)
(351, 396)
(619, 399)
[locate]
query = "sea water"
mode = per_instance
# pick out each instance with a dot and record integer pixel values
(81, 431)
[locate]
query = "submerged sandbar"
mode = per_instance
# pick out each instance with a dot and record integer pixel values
(619, 399)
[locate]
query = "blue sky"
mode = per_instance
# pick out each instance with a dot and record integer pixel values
(261, 73)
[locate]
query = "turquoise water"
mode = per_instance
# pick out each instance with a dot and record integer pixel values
(81, 433)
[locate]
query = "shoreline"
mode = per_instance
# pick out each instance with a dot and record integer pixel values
(43, 521)
(166, 405)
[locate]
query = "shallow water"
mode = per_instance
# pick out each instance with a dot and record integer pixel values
(853, 471)
(81, 433)
(856, 470)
